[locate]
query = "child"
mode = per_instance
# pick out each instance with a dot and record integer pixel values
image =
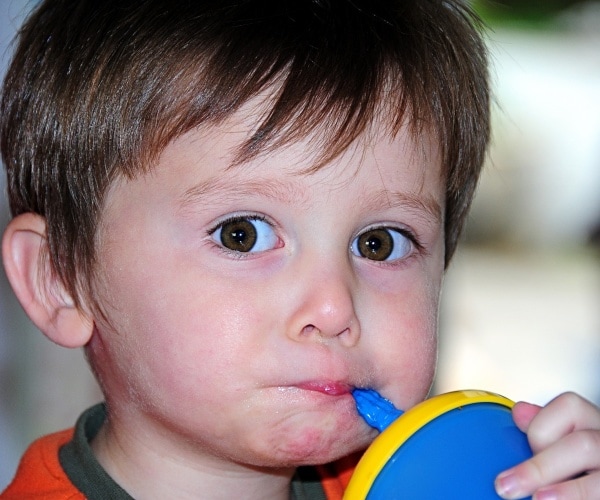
(242, 210)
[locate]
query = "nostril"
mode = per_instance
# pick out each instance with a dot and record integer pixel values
(308, 329)
(344, 333)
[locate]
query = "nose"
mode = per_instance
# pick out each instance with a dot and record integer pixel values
(325, 308)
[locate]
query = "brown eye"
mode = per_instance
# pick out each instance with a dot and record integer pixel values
(239, 235)
(376, 244)
(382, 244)
(245, 234)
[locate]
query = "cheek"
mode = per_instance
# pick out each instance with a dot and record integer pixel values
(407, 344)
(175, 330)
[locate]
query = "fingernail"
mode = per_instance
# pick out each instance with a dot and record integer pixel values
(508, 485)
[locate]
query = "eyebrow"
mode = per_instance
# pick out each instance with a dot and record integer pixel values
(422, 206)
(283, 192)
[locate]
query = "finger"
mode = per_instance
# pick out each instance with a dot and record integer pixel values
(523, 413)
(575, 454)
(563, 415)
(582, 488)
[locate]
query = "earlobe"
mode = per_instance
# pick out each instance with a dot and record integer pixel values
(40, 292)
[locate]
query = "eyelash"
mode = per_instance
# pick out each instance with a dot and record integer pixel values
(237, 218)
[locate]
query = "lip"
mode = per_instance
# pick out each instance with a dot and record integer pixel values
(330, 388)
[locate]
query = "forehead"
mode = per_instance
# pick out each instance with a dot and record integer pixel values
(391, 168)
(206, 165)
(325, 144)
(309, 153)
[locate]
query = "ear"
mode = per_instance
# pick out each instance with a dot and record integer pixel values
(39, 290)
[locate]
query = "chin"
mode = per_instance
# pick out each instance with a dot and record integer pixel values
(312, 447)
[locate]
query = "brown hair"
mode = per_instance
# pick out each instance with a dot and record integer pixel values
(98, 89)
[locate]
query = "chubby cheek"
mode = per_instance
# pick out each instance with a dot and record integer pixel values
(186, 346)
(144, 339)
(178, 356)
(407, 349)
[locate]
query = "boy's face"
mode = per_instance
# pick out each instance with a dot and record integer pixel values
(244, 303)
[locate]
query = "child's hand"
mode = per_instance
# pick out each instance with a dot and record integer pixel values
(565, 439)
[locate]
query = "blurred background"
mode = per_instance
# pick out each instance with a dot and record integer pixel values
(521, 306)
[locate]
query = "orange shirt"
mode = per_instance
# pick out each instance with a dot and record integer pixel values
(336, 476)
(40, 475)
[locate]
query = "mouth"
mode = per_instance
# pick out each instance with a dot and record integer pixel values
(330, 388)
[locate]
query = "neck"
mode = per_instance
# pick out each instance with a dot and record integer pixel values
(147, 468)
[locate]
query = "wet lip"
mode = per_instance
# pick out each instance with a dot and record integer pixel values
(327, 387)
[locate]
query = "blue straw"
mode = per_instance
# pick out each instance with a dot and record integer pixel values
(377, 411)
